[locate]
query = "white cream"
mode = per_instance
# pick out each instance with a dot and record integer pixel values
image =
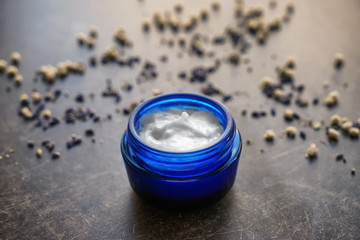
(180, 131)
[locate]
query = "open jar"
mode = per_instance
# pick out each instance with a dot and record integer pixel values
(189, 177)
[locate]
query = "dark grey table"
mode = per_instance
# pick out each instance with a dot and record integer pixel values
(85, 194)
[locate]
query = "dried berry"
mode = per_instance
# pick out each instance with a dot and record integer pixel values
(92, 61)
(55, 155)
(339, 157)
(226, 98)
(210, 90)
(302, 135)
(89, 132)
(198, 74)
(30, 144)
(75, 140)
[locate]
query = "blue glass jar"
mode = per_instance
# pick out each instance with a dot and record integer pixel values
(181, 178)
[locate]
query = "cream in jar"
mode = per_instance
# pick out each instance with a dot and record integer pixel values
(178, 130)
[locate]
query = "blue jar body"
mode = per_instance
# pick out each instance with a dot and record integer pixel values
(182, 177)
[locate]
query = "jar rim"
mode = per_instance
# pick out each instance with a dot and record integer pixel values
(214, 102)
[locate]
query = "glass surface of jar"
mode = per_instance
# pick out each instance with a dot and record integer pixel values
(181, 177)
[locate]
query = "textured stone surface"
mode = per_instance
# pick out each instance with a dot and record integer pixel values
(85, 194)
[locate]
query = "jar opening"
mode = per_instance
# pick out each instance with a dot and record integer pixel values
(187, 163)
(183, 102)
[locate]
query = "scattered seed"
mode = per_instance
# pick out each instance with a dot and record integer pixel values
(18, 79)
(339, 61)
(127, 87)
(80, 98)
(287, 75)
(204, 15)
(50, 146)
(302, 135)
(273, 3)
(182, 41)
(3, 65)
(278, 94)
(93, 32)
(290, 8)
(335, 120)
(110, 91)
(163, 58)
(273, 112)
(15, 58)
(30, 144)
(81, 38)
(198, 74)
(55, 155)
(132, 106)
(226, 98)
(170, 42)
(333, 134)
(156, 92)
(92, 61)
(346, 125)
(75, 140)
(23, 98)
(126, 111)
(274, 24)
(46, 114)
(238, 9)
(146, 26)
(26, 113)
(215, 6)
(300, 88)
(291, 131)
(354, 132)
(339, 157)
(332, 99)
(315, 101)
(316, 125)
(89, 132)
(289, 114)
(218, 40)
(121, 38)
(36, 97)
(39, 152)
(269, 135)
(178, 8)
(210, 90)
(312, 151)
(90, 43)
(11, 71)
(266, 82)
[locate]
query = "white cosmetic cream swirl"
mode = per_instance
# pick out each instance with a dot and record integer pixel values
(180, 131)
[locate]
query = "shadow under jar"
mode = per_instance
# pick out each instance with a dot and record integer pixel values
(181, 178)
